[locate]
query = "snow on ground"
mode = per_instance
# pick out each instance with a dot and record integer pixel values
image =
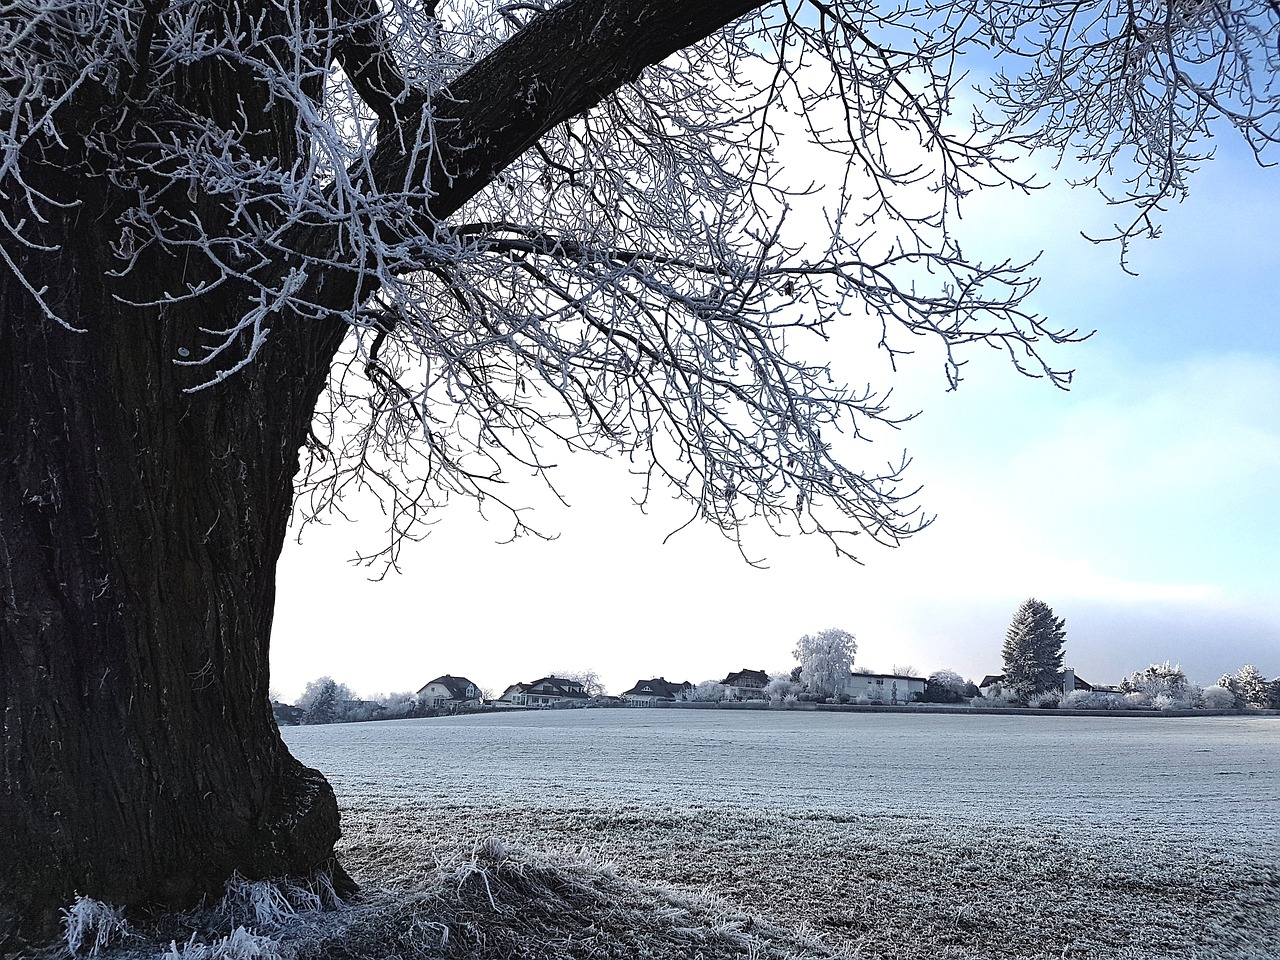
(878, 835)
(1202, 776)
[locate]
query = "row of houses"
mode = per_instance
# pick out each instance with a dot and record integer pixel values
(453, 692)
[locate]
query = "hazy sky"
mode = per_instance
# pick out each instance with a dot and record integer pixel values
(1141, 506)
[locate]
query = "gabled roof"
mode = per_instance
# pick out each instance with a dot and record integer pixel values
(659, 687)
(746, 678)
(557, 687)
(995, 679)
(457, 687)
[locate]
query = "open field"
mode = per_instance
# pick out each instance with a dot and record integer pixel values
(777, 835)
(864, 835)
(1213, 777)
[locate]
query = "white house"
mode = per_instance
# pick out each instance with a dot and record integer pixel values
(545, 692)
(745, 685)
(660, 689)
(884, 687)
(446, 691)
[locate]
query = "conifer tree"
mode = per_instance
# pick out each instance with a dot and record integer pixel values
(1251, 687)
(1033, 649)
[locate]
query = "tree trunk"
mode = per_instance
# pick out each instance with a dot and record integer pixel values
(139, 534)
(140, 526)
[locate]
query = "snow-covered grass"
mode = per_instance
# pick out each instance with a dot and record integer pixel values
(90, 925)
(267, 904)
(884, 886)
(240, 944)
(1213, 777)
(673, 835)
(883, 835)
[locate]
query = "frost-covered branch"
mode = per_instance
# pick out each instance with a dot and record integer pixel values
(581, 227)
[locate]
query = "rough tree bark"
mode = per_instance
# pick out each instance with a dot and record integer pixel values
(140, 526)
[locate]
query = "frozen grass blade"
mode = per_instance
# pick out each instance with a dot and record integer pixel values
(239, 945)
(91, 925)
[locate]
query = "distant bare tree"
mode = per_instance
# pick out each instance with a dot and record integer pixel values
(589, 679)
(709, 691)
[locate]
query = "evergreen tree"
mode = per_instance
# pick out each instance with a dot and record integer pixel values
(1251, 687)
(1033, 649)
(320, 701)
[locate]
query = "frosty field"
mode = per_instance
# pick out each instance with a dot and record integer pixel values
(842, 834)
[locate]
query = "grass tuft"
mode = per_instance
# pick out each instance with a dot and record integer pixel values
(240, 944)
(267, 904)
(91, 925)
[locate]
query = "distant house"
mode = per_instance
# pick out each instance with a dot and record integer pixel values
(1071, 682)
(745, 685)
(448, 691)
(657, 690)
(993, 684)
(286, 714)
(885, 687)
(514, 694)
(546, 692)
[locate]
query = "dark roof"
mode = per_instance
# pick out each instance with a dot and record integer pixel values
(457, 687)
(1082, 684)
(746, 677)
(286, 713)
(557, 687)
(992, 679)
(659, 687)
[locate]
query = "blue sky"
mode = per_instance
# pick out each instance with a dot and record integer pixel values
(1141, 505)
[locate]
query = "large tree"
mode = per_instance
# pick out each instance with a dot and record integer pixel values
(258, 252)
(1033, 649)
(826, 658)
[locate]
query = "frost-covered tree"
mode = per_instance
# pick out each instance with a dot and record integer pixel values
(1218, 697)
(402, 704)
(1160, 680)
(324, 700)
(1033, 650)
(589, 679)
(826, 658)
(258, 252)
(1251, 686)
(781, 686)
(711, 691)
(945, 686)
